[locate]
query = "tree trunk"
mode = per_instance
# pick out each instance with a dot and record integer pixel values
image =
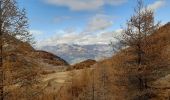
(1, 72)
(1, 55)
(93, 86)
(1, 66)
(140, 83)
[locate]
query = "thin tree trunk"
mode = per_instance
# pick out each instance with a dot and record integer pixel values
(93, 86)
(1, 72)
(1, 55)
(139, 65)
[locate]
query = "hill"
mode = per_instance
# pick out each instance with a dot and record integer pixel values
(158, 86)
(49, 58)
(15, 49)
(82, 65)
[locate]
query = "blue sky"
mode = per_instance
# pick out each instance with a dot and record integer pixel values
(83, 21)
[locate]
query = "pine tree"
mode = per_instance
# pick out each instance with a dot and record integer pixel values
(142, 51)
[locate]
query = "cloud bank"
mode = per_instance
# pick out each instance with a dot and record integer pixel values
(79, 5)
(157, 4)
(76, 38)
(95, 32)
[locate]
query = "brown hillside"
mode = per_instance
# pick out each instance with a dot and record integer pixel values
(84, 64)
(162, 34)
(15, 48)
(160, 85)
(50, 58)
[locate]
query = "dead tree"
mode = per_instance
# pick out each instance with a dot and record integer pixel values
(13, 22)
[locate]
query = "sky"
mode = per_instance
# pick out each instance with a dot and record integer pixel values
(84, 22)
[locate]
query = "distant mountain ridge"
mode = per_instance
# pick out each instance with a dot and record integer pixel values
(74, 53)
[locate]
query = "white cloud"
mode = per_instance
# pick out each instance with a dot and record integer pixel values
(95, 32)
(36, 32)
(156, 5)
(78, 5)
(75, 38)
(115, 2)
(98, 23)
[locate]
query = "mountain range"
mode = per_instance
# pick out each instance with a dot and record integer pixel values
(74, 53)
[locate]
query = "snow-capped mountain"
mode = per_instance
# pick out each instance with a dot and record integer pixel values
(74, 53)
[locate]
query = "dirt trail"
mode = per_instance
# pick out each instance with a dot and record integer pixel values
(55, 81)
(58, 77)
